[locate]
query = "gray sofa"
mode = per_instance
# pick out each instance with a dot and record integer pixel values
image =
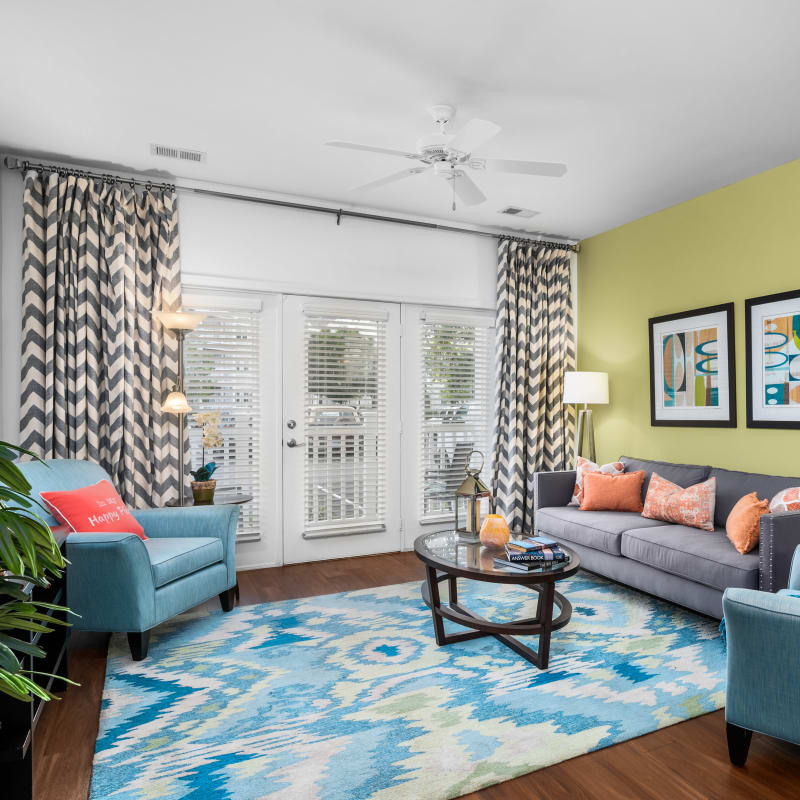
(685, 565)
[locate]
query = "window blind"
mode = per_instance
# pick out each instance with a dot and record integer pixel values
(455, 408)
(222, 366)
(345, 421)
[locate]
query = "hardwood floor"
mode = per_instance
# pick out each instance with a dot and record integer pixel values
(686, 760)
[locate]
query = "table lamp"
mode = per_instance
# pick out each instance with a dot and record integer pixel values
(586, 388)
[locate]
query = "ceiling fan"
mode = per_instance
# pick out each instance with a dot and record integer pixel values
(450, 157)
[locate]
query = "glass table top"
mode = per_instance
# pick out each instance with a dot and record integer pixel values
(444, 549)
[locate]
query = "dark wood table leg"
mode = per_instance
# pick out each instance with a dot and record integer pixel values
(436, 602)
(545, 614)
(453, 589)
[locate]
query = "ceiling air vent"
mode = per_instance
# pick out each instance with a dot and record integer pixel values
(516, 211)
(181, 153)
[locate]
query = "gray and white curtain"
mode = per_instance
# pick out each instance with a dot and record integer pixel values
(535, 346)
(98, 259)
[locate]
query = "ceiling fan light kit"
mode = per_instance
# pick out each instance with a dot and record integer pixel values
(451, 157)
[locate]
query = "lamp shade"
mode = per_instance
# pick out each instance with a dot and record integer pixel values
(179, 320)
(586, 387)
(176, 403)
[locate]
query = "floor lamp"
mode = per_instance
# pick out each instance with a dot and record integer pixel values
(585, 387)
(180, 323)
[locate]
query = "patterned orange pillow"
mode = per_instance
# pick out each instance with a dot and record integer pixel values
(786, 500)
(583, 466)
(669, 502)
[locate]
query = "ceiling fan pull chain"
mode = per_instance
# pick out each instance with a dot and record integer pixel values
(454, 190)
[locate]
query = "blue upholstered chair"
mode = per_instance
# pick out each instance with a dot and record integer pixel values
(117, 582)
(763, 637)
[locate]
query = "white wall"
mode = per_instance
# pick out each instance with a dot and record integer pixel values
(246, 245)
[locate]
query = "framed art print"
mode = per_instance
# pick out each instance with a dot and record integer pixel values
(772, 334)
(693, 368)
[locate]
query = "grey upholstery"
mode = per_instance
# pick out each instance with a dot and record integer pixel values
(700, 556)
(553, 488)
(682, 474)
(780, 535)
(601, 530)
(654, 581)
(732, 485)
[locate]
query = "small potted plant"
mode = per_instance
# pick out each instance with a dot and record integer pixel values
(203, 485)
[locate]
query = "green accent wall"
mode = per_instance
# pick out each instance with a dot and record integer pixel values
(737, 242)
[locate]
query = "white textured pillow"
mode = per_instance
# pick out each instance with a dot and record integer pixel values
(584, 465)
(786, 500)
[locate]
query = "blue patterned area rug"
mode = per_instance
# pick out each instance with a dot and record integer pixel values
(347, 696)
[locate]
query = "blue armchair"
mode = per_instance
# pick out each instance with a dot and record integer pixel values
(763, 636)
(117, 582)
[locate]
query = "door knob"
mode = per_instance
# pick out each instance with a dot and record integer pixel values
(294, 443)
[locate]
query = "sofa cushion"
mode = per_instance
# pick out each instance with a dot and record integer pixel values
(733, 485)
(684, 475)
(171, 559)
(598, 529)
(704, 557)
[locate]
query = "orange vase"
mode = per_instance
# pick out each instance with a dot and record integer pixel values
(494, 531)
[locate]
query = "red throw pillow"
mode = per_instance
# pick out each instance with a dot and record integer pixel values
(693, 506)
(93, 509)
(612, 492)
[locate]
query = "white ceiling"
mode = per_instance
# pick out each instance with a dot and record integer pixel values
(648, 103)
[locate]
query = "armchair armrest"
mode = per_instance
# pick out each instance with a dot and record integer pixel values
(763, 632)
(553, 488)
(780, 537)
(110, 582)
(218, 522)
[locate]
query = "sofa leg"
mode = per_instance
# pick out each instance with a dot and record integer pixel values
(139, 642)
(738, 743)
(228, 599)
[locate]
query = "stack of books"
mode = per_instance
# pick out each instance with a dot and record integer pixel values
(532, 552)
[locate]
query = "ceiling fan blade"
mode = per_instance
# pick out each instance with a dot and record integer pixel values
(371, 149)
(395, 176)
(467, 190)
(474, 134)
(526, 167)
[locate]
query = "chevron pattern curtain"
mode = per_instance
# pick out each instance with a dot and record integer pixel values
(535, 346)
(98, 258)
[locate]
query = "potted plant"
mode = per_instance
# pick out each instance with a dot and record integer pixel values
(203, 485)
(28, 554)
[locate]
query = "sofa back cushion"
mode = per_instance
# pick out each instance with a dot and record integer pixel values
(732, 485)
(684, 475)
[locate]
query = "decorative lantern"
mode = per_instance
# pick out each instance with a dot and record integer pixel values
(468, 501)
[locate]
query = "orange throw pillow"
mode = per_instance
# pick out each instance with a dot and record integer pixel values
(93, 509)
(612, 492)
(669, 502)
(743, 525)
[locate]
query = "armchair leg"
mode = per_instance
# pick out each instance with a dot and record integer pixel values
(139, 642)
(228, 599)
(738, 743)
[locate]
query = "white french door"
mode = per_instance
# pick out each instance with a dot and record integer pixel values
(341, 428)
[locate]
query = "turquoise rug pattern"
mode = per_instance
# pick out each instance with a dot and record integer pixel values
(347, 696)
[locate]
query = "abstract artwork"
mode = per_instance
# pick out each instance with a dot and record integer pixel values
(773, 360)
(691, 368)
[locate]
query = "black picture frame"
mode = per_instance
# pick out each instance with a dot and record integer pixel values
(749, 304)
(730, 422)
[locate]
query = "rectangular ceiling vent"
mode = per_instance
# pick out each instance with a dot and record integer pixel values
(181, 153)
(516, 211)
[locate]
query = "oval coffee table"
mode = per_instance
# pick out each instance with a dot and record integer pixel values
(446, 557)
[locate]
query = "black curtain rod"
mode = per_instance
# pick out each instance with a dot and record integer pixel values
(14, 163)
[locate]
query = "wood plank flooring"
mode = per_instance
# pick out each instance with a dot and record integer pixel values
(688, 760)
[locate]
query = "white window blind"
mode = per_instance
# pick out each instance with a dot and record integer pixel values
(222, 366)
(345, 421)
(455, 407)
